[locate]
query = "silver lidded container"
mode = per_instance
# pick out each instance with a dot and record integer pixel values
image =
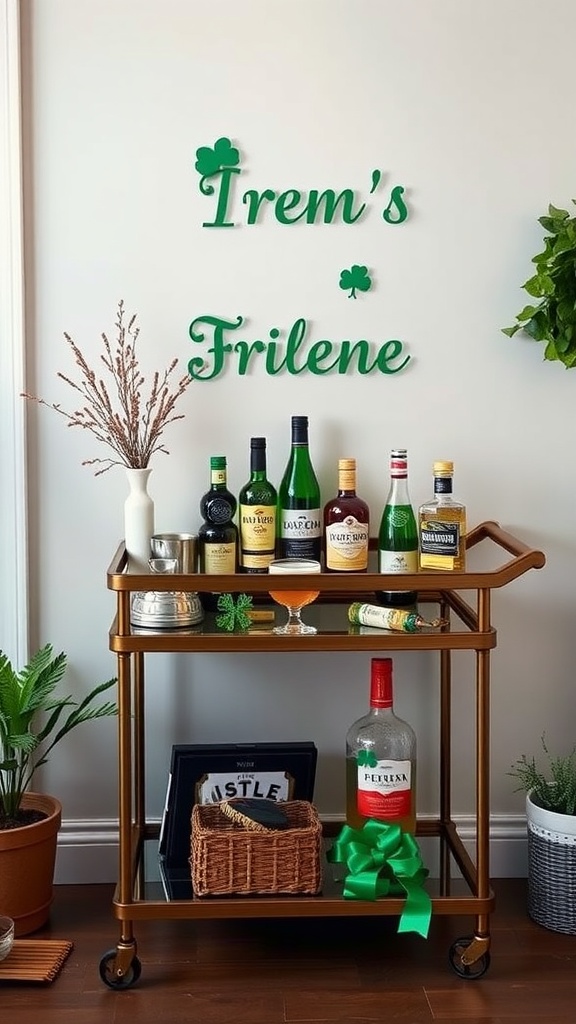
(165, 609)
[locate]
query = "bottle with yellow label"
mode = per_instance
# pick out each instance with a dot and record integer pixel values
(346, 524)
(257, 516)
(442, 525)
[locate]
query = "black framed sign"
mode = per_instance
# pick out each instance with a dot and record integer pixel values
(207, 773)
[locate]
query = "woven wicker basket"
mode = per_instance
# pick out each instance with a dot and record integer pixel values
(552, 880)
(229, 858)
(551, 869)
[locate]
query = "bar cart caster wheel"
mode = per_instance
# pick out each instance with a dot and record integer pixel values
(112, 978)
(470, 971)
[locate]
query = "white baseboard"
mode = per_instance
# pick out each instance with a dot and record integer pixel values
(508, 845)
(88, 850)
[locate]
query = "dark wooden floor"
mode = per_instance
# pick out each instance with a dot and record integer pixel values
(271, 972)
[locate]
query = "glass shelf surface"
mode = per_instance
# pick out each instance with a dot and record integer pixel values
(169, 885)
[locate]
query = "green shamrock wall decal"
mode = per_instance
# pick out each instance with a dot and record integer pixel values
(234, 615)
(366, 758)
(357, 279)
(210, 161)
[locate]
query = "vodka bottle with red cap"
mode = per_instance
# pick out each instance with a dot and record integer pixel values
(381, 759)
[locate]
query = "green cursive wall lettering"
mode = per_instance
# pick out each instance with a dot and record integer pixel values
(218, 164)
(223, 198)
(219, 349)
(320, 358)
(396, 212)
(324, 204)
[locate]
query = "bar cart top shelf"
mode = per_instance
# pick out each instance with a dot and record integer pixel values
(337, 590)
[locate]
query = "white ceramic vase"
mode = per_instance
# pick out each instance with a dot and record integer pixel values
(138, 520)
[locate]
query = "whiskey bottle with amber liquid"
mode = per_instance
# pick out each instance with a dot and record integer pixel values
(381, 759)
(346, 524)
(442, 525)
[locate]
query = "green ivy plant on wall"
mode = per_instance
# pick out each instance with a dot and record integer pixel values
(553, 319)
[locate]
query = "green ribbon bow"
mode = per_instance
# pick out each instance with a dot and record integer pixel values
(234, 615)
(382, 860)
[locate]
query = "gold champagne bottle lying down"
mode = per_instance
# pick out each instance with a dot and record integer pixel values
(390, 618)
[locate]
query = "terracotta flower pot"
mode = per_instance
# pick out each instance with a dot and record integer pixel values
(27, 858)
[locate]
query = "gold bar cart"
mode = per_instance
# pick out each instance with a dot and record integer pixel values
(469, 628)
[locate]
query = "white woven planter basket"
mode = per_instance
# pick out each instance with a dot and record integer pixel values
(551, 868)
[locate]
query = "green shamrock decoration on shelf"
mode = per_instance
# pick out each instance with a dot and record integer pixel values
(366, 758)
(211, 161)
(234, 613)
(357, 279)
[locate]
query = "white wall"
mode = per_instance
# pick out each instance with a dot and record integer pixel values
(469, 106)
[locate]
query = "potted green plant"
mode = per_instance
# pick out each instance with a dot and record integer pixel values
(32, 721)
(551, 819)
(552, 320)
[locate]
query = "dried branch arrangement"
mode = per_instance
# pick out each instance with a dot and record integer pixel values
(116, 413)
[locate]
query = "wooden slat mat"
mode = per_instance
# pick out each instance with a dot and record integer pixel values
(35, 960)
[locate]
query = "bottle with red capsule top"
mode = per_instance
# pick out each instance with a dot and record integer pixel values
(381, 759)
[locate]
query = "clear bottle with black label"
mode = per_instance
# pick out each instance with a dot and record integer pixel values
(442, 525)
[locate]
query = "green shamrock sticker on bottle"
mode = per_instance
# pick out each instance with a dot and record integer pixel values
(366, 759)
(356, 279)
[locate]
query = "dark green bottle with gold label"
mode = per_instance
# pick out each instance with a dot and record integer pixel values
(257, 503)
(218, 534)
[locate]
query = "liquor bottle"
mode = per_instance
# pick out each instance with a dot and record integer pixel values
(442, 525)
(299, 512)
(257, 518)
(346, 524)
(218, 534)
(381, 759)
(398, 535)
(374, 616)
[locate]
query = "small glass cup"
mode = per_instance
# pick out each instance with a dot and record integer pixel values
(294, 600)
(6, 936)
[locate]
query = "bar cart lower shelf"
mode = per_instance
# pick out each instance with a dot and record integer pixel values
(468, 628)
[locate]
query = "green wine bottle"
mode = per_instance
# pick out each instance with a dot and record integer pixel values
(257, 518)
(299, 511)
(398, 535)
(218, 534)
